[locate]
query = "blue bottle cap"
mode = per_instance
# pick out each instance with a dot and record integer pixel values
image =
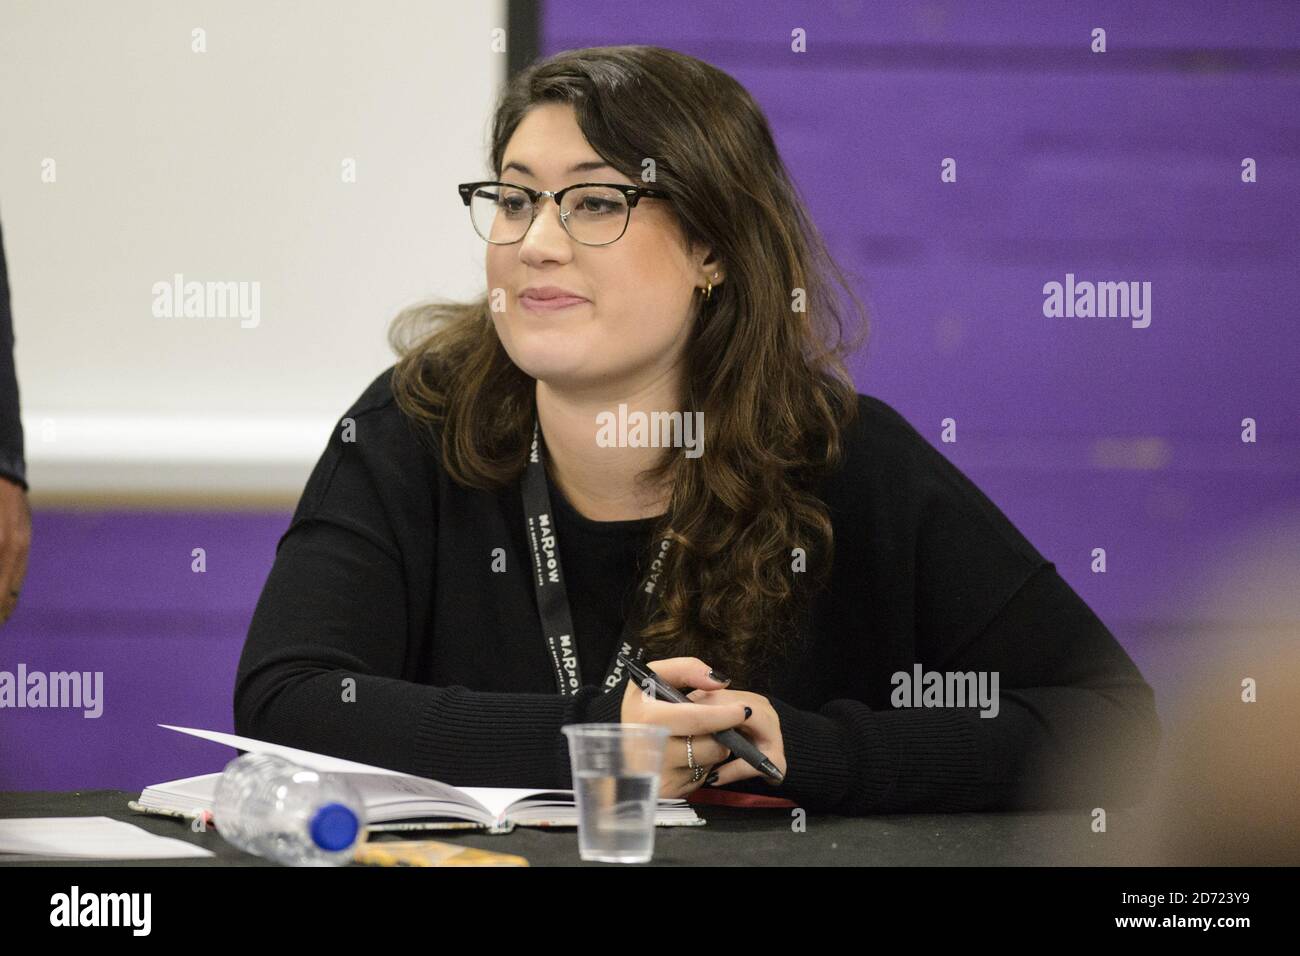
(334, 827)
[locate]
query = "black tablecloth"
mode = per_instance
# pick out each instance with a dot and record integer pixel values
(731, 837)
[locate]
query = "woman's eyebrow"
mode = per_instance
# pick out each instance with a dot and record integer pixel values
(579, 168)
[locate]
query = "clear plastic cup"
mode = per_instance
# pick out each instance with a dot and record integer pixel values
(616, 786)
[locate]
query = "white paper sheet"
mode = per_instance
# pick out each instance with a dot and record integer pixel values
(304, 758)
(90, 838)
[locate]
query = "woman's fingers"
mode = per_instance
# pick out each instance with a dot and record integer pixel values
(15, 539)
(685, 672)
(698, 721)
(704, 749)
(762, 729)
(680, 719)
(735, 771)
(695, 719)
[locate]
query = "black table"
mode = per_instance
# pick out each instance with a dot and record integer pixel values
(731, 837)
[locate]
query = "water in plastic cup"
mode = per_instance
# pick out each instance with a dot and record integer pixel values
(616, 785)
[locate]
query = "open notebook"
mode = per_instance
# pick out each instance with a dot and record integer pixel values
(398, 801)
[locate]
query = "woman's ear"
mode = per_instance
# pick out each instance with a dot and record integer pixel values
(712, 269)
(708, 264)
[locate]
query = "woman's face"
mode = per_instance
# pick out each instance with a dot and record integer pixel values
(634, 325)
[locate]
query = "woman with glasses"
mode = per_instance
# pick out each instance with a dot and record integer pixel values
(515, 503)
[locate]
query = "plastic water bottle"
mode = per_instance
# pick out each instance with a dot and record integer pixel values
(271, 807)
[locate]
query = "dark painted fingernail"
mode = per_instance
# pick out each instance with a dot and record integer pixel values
(720, 678)
(711, 778)
(749, 712)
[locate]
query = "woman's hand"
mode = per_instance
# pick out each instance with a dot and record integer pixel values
(763, 729)
(696, 720)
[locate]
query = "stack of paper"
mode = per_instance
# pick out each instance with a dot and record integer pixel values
(89, 838)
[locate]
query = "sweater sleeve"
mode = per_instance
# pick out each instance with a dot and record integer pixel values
(323, 662)
(1076, 725)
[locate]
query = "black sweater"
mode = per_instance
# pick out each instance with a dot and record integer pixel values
(384, 577)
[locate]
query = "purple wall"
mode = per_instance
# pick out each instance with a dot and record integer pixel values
(1122, 166)
(114, 592)
(1089, 433)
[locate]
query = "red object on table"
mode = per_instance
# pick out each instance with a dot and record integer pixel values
(722, 797)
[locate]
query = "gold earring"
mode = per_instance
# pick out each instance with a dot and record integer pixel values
(708, 290)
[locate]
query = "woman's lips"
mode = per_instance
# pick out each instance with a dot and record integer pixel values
(550, 305)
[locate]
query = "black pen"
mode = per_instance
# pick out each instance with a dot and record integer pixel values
(735, 741)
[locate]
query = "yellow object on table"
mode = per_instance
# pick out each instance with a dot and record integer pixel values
(431, 853)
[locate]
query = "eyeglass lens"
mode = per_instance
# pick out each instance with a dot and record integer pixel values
(594, 215)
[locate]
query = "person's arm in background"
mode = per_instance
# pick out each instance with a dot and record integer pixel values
(15, 514)
(335, 608)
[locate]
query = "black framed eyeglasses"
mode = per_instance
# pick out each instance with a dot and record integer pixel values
(594, 214)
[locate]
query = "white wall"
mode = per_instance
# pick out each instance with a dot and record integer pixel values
(226, 165)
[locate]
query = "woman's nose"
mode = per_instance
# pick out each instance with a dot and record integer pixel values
(547, 233)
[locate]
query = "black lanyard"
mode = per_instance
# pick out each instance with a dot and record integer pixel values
(553, 598)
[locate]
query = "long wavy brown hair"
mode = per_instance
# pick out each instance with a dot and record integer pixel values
(764, 363)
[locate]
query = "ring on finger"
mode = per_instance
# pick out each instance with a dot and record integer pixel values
(697, 772)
